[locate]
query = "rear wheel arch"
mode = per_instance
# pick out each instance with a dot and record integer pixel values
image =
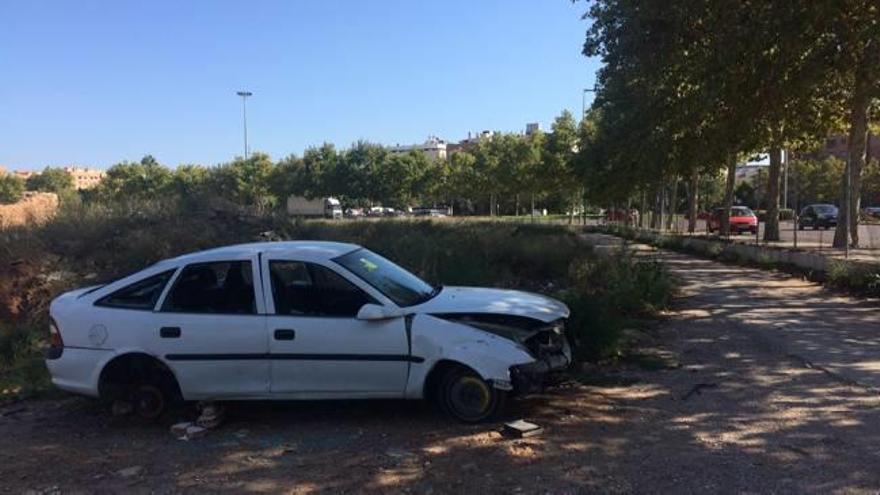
(125, 371)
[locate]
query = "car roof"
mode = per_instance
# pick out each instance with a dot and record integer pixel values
(305, 250)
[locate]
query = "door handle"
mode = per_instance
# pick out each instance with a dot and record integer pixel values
(285, 334)
(169, 332)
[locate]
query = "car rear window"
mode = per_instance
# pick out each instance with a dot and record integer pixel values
(741, 212)
(143, 294)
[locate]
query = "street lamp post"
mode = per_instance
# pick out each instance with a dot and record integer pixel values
(584, 100)
(244, 96)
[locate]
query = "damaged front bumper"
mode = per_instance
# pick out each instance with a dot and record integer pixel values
(533, 377)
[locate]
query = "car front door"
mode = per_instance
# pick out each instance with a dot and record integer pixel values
(317, 346)
(810, 216)
(211, 330)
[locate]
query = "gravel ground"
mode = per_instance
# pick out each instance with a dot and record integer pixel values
(729, 409)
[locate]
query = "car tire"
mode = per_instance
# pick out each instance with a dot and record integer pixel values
(148, 388)
(149, 400)
(466, 397)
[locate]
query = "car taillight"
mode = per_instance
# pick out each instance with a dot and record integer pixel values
(55, 339)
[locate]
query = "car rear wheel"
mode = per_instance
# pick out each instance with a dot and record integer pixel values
(148, 400)
(466, 397)
(140, 384)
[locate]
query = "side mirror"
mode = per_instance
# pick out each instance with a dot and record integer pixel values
(375, 312)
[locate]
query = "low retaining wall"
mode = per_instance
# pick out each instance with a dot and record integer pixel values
(804, 260)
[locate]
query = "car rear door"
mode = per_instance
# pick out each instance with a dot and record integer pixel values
(318, 348)
(211, 330)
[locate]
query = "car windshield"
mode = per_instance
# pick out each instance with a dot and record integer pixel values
(399, 285)
(741, 212)
(825, 208)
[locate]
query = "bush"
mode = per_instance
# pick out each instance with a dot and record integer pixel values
(11, 188)
(858, 277)
(606, 294)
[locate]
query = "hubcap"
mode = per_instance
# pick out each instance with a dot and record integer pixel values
(470, 396)
(148, 401)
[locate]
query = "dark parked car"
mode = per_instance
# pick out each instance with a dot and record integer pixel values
(818, 216)
(871, 212)
(742, 219)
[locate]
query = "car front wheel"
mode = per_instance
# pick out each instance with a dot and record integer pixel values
(468, 398)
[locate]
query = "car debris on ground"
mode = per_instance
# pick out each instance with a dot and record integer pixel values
(211, 416)
(521, 429)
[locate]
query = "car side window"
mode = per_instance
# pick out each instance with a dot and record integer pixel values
(142, 294)
(307, 289)
(224, 287)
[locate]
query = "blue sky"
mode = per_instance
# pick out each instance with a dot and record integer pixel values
(97, 82)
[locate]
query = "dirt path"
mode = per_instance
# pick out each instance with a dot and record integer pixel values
(740, 413)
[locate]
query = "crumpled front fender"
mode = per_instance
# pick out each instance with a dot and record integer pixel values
(435, 340)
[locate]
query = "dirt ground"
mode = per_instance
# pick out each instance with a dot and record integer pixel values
(729, 408)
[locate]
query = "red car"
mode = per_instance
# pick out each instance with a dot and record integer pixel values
(742, 219)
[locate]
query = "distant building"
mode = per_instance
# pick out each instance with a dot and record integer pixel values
(748, 170)
(23, 174)
(836, 146)
(84, 177)
(532, 128)
(433, 147)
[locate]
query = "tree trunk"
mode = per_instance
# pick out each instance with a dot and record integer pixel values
(655, 209)
(856, 153)
(516, 204)
(643, 209)
(532, 210)
(771, 222)
(672, 204)
(693, 197)
(728, 194)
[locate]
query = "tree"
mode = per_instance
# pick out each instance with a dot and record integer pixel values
(246, 182)
(54, 180)
(190, 180)
(557, 165)
(815, 181)
(11, 188)
(127, 181)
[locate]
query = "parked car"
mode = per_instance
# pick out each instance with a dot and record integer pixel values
(301, 320)
(622, 215)
(871, 212)
(818, 216)
(742, 219)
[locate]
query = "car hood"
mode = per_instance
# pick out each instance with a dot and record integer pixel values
(477, 300)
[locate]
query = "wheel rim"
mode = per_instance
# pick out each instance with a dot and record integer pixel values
(470, 397)
(149, 401)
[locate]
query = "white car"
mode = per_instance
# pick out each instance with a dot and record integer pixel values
(301, 320)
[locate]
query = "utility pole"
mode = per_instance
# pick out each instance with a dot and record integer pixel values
(785, 163)
(244, 96)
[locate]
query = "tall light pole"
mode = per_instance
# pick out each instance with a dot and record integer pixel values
(244, 96)
(584, 100)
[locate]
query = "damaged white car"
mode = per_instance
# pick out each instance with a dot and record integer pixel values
(301, 320)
